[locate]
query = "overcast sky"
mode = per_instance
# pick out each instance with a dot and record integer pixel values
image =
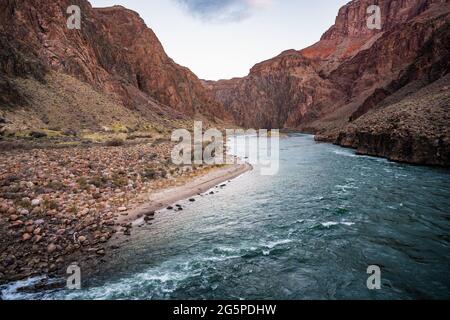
(222, 39)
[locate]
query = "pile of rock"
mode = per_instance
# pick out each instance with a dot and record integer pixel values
(61, 205)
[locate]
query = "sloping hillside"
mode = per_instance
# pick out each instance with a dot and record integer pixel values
(114, 69)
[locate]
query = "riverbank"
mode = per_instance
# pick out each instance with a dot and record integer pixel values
(167, 198)
(61, 206)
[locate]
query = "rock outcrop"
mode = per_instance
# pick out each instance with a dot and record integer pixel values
(415, 129)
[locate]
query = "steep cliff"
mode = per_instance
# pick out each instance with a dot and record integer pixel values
(114, 53)
(350, 33)
(344, 75)
(408, 119)
(277, 92)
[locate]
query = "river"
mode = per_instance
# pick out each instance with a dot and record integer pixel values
(309, 232)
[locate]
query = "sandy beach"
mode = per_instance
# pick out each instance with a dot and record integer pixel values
(155, 201)
(169, 196)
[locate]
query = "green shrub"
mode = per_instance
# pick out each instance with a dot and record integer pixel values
(119, 180)
(115, 142)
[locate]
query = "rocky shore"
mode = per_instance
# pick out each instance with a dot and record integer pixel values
(60, 206)
(413, 130)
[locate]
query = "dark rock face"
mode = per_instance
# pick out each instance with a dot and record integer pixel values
(14, 64)
(348, 73)
(10, 96)
(114, 52)
(401, 148)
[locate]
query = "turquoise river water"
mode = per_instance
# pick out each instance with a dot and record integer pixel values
(309, 232)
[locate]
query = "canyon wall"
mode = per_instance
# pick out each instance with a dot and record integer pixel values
(114, 53)
(323, 88)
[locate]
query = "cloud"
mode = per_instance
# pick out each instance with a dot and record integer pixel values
(221, 11)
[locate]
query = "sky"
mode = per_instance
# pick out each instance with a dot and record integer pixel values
(223, 39)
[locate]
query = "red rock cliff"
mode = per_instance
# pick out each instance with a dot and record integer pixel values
(318, 89)
(349, 72)
(114, 51)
